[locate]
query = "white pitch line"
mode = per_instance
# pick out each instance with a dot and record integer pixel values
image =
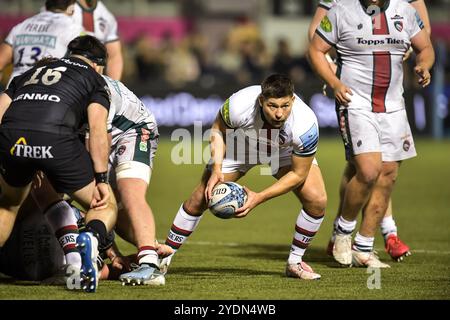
(236, 244)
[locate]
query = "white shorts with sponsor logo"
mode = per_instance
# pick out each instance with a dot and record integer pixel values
(388, 133)
(132, 157)
(285, 159)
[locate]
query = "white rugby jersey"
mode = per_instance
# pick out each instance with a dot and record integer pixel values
(98, 22)
(45, 34)
(370, 50)
(328, 4)
(127, 112)
(299, 133)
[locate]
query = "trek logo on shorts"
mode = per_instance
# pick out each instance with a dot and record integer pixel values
(22, 149)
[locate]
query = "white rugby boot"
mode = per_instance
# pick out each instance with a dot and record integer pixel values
(342, 249)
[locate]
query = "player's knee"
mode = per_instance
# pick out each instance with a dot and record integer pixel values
(369, 176)
(315, 203)
(388, 176)
(195, 206)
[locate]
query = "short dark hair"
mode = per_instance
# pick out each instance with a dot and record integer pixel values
(89, 47)
(58, 4)
(277, 86)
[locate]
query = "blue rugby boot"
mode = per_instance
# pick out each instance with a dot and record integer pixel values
(87, 244)
(145, 274)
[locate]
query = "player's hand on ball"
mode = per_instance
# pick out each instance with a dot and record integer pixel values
(215, 178)
(424, 76)
(253, 199)
(342, 94)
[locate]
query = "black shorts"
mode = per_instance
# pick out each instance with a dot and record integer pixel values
(63, 158)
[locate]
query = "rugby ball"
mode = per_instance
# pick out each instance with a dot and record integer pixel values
(226, 198)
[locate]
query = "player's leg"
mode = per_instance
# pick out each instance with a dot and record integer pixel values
(348, 173)
(72, 173)
(60, 216)
(190, 213)
(135, 209)
(399, 146)
(361, 136)
(313, 197)
(395, 247)
(362, 249)
(98, 224)
(11, 198)
(15, 182)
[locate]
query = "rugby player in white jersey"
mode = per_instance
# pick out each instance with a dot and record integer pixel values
(395, 247)
(271, 118)
(46, 34)
(134, 142)
(98, 21)
(371, 38)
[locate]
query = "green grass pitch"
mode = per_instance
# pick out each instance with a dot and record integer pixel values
(245, 258)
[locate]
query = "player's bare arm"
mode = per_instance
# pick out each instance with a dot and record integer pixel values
(421, 8)
(421, 44)
(317, 50)
(6, 55)
(217, 145)
(99, 149)
(318, 16)
(115, 60)
(5, 101)
(291, 180)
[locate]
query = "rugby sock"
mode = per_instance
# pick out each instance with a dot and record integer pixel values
(344, 226)
(63, 222)
(147, 255)
(98, 229)
(305, 230)
(363, 244)
(183, 225)
(388, 227)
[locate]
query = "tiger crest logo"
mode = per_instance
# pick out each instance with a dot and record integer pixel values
(398, 25)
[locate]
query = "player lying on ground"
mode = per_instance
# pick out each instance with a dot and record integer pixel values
(33, 253)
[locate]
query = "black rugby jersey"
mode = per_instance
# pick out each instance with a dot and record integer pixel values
(54, 98)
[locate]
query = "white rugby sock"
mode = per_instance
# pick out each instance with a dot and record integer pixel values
(183, 225)
(344, 226)
(362, 243)
(305, 230)
(64, 225)
(147, 255)
(388, 227)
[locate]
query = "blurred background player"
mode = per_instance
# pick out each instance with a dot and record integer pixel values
(372, 115)
(60, 96)
(395, 247)
(46, 34)
(98, 21)
(273, 117)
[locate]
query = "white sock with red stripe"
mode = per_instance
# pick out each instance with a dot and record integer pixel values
(388, 227)
(64, 225)
(147, 255)
(305, 230)
(183, 225)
